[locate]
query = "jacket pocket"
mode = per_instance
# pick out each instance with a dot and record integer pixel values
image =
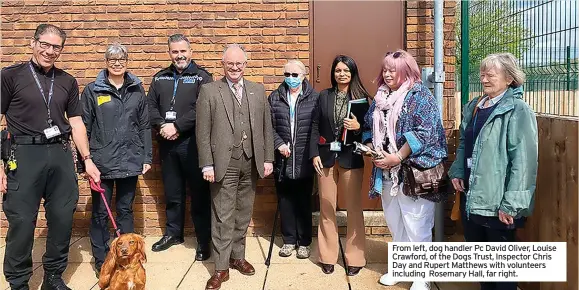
(100, 139)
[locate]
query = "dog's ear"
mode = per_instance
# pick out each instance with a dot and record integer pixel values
(141, 248)
(109, 266)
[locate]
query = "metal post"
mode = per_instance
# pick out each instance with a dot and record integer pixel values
(464, 53)
(438, 92)
(568, 68)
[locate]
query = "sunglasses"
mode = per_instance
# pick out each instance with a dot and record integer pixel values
(287, 75)
(396, 54)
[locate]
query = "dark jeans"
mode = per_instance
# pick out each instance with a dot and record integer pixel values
(294, 198)
(43, 172)
(180, 165)
(99, 226)
(475, 232)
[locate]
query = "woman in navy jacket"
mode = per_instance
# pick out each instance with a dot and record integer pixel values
(117, 123)
(292, 106)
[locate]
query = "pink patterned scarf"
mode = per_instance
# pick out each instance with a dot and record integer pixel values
(392, 102)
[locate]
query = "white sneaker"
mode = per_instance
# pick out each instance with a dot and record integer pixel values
(387, 280)
(286, 250)
(420, 285)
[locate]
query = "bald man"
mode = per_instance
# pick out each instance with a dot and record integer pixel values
(235, 143)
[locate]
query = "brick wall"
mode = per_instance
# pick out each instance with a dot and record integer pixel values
(271, 31)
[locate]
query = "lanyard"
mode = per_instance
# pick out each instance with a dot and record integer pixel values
(50, 92)
(176, 84)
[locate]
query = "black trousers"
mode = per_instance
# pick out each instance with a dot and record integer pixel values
(43, 172)
(295, 206)
(99, 226)
(474, 232)
(180, 165)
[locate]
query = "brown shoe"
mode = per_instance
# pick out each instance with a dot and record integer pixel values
(242, 266)
(215, 281)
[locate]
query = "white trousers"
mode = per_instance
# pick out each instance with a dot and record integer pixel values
(408, 220)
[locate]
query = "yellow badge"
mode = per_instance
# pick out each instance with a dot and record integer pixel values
(103, 99)
(12, 165)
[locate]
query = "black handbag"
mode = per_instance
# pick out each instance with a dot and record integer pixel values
(418, 181)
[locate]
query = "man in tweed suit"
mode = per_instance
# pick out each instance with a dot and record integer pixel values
(235, 142)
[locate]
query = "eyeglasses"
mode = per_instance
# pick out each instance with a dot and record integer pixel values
(230, 64)
(114, 61)
(287, 75)
(396, 54)
(46, 45)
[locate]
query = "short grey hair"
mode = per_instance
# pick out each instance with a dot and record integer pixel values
(177, 38)
(296, 62)
(234, 45)
(507, 63)
(116, 51)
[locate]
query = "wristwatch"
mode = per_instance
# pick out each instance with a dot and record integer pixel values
(84, 158)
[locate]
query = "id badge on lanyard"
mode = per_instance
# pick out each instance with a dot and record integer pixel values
(336, 146)
(52, 130)
(171, 115)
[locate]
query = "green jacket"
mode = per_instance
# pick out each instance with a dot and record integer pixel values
(505, 158)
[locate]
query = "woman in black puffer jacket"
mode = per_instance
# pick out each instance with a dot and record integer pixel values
(292, 106)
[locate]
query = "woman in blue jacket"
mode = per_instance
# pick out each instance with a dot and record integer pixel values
(117, 123)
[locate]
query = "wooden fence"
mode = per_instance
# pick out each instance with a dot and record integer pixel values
(556, 205)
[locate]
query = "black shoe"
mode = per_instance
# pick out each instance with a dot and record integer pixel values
(203, 252)
(166, 242)
(53, 282)
(327, 268)
(353, 271)
(97, 272)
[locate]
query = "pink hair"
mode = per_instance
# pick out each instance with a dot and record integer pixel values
(404, 64)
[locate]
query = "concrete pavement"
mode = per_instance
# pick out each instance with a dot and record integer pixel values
(176, 268)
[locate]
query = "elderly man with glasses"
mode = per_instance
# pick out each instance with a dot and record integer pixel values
(235, 141)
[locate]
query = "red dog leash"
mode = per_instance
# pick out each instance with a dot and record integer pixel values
(97, 187)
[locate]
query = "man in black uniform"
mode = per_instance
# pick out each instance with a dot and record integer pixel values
(35, 98)
(172, 102)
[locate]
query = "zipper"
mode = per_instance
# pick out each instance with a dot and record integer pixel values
(476, 149)
(293, 137)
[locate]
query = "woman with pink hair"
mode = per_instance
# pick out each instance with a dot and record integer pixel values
(404, 124)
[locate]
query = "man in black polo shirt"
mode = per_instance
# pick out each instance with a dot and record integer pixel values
(35, 98)
(172, 102)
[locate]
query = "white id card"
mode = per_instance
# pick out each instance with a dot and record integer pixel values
(51, 132)
(336, 146)
(469, 162)
(170, 115)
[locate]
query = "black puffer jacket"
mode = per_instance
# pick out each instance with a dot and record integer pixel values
(298, 165)
(117, 124)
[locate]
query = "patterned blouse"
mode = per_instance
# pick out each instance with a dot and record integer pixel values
(340, 109)
(420, 125)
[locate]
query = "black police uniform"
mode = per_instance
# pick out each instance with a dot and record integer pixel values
(174, 102)
(40, 167)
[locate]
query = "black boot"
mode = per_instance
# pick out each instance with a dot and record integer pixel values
(203, 252)
(53, 282)
(166, 242)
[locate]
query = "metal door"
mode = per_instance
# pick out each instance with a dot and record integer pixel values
(363, 30)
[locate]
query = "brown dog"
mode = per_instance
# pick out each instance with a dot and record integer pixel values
(123, 268)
